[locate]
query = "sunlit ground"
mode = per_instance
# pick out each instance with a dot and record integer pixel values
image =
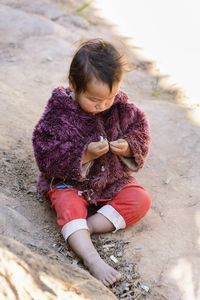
(182, 273)
(166, 32)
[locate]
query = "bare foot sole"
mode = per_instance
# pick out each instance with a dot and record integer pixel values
(102, 271)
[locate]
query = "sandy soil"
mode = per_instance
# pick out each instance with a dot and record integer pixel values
(36, 45)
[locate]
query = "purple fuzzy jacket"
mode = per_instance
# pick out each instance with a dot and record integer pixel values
(64, 132)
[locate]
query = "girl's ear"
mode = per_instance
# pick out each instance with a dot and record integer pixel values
(71, 86)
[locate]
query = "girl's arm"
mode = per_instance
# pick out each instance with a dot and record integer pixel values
(58, 146)
(137, 134)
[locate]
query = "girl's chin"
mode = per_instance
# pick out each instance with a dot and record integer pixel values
(93, 112)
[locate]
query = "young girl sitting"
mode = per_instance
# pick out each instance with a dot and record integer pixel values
(87, 144)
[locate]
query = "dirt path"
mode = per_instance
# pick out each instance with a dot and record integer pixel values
(35, 50)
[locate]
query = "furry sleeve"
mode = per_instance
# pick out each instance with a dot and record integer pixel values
(137, 134)
(58, 145)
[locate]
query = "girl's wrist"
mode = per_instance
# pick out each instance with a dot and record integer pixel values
(128, 152)
(87, 157)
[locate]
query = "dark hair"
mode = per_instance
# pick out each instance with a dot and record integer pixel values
(98, 59)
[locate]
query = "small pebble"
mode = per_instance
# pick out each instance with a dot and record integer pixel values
(167, 181)
(109, 246)
(49, 58)
(144, 287)
(113, 258)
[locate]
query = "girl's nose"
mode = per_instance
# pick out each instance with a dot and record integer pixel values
(100, 107)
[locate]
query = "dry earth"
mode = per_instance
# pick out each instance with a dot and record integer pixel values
(37, 40)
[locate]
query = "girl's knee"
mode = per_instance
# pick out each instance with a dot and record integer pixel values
(144, 204)
(146, 201)
(139, 208)
(90, 225)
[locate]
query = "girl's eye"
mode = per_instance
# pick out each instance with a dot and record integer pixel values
(93, 100)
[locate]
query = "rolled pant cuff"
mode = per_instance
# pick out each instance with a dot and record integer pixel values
(73, 226)
(113, 216)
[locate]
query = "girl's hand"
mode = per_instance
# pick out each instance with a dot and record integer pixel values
(95, 150)
(120, 147)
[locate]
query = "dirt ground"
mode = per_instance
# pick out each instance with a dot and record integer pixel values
(37, 40)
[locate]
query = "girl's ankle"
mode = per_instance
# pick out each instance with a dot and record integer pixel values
(92, 258)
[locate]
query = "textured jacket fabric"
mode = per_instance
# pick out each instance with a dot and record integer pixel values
(64, 132)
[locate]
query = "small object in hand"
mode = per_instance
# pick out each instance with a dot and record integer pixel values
(102, 169)
(101, 139)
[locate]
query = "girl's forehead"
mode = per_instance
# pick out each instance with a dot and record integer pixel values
(101, 90)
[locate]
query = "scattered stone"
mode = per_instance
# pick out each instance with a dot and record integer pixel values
(114, 259)
(167, 181)
(144, 287)
(108, 246)
(110, 250)
(49, 58)
(119, 254)
(32, 190)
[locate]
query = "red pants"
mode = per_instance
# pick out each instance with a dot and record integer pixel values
(126, 208)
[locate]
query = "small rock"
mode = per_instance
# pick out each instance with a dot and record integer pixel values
(32, 190)
(109, 246)
(167, 181)
(114, 259)
(137, 248)
(144, 287)
(61, 248)
(125, 286)
(48, 58)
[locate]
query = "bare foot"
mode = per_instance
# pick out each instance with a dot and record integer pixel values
(102, 271)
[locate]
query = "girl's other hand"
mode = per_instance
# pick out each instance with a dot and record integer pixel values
(120, 147)
(95, 150)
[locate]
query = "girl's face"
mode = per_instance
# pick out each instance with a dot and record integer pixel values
(97, 97)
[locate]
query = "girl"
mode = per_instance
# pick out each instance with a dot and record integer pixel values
(87, 144)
